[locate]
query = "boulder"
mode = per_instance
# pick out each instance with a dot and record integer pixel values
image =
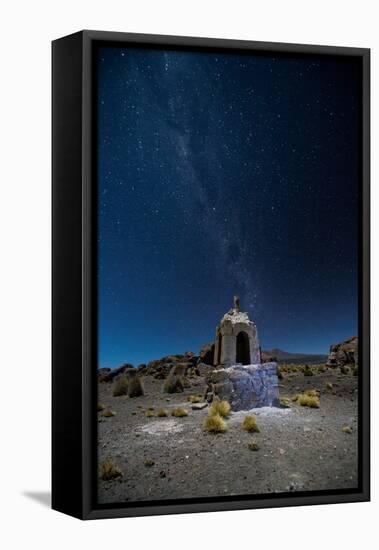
(245, 386)
(199, 406)
(160, 368)
(206, 354)
(101, 374)
(175, 381)
(267, 357)
(344, 353)
(112, 373)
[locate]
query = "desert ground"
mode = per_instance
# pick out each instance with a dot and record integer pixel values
(299, 448)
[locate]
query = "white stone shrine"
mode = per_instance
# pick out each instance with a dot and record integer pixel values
(240, 377)
(236, 339)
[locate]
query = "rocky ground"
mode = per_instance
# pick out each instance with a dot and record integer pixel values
(300, 448)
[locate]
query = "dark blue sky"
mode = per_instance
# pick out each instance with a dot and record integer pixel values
(221, 174)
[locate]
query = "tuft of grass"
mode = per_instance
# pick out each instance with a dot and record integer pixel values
(250, 423)
(329, 386)
(220, 407)
(173, 384)
(347, 429)
(149, 413)
(108, 413)
(194, 398)
(214, 424)
(100, 407)
(308, 401)
(285, 402)
(109, 470)
(135, 388)
(253, 446)
(162, 412)
(120, 386)
(149, 462)
(344, 369)
(321, 368)
(179, 412)
(312, 393)
(308, 371)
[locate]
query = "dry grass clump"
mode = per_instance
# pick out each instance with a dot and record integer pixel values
(347, 430)
(285, 402)
(108, 413)
(173, 384)
(344, 369)
(321, 368)
(306, 400)
(120, 386)
(135, 388)
(220, 407)
(250, 423)
(149, 462)
(312, 393)
(194, 398)
(179, 412)
(100, 407)
(308, 371)
(253, 446)
(149, 413)
(109, 470)
(291, 368)
(214, 423)
(162, 412)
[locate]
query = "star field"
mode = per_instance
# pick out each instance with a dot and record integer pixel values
(219, 174)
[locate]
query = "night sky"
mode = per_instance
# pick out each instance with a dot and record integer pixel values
(223, 174)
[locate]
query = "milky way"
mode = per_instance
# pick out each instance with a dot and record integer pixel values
(220, 174)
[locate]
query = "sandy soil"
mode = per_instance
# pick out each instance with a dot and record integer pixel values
(299, 448)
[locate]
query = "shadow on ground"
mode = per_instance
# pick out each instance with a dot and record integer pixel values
(42, 497)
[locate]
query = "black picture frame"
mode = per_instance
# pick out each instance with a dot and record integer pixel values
(74, 425)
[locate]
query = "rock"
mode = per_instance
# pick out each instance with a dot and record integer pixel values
(206, 354)
(112, 373)
(204, 369)
(160, 368)
(344, 353)
(175, 381)
(101, 374)
(244, 386)
(249, 386)
(267, 357)
(199, 406)
(218, 383)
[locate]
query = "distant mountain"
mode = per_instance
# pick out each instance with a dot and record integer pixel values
(290, 357)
